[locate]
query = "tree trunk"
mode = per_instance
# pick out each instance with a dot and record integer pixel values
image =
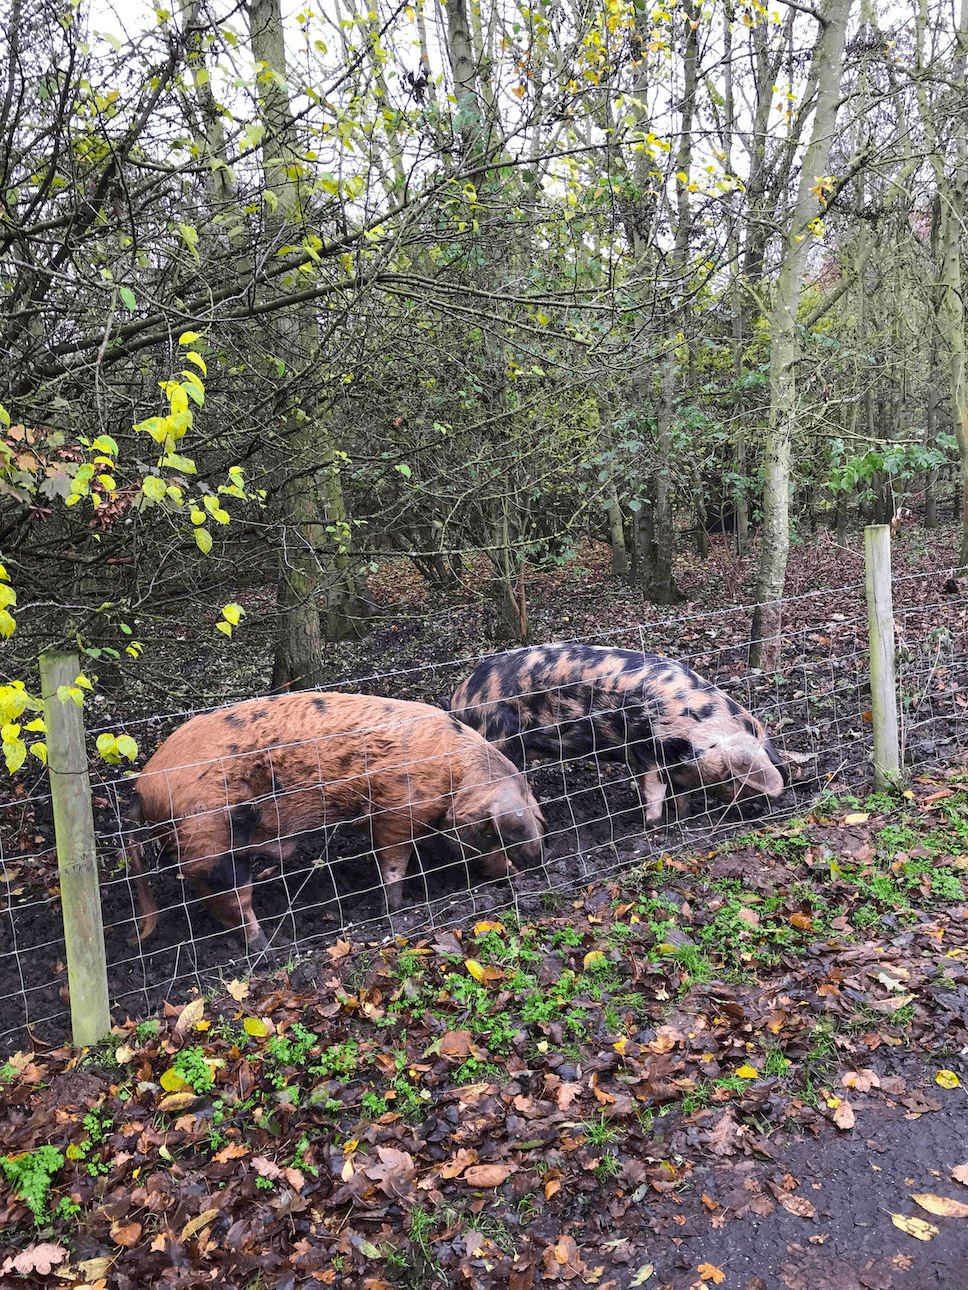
(702, 530)
(316, 594)
(948, 223)
(825, 74)
(619, 566)
(736, 306)
(930, 438)
(643, 545)
(662, 589)
(507, 588)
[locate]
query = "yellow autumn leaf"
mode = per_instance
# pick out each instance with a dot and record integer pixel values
(947, 1079)
(485, 926)
(915, 1227)
(593, 958)
(255, 1027)
(709, 1273)
(177, 1102)
(858, 817)
(172, 1082)
(474, 969)
(190, 1015)
(940, 1205)
(748, 1072)
(196, 1224)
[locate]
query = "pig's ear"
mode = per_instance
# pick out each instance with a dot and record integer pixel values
(715, 762)
(460, 810)
(516, 818)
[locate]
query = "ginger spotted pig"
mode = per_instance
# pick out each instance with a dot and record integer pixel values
(256, 777)
(674, 729)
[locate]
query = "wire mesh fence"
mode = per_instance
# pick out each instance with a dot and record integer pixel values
(286, 823)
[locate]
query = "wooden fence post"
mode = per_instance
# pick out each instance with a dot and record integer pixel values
(70, 790)
(880, 630)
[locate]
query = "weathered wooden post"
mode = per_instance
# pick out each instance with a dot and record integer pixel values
(70, 790)
(880, 630)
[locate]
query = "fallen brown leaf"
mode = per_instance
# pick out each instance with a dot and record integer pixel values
(566, 1093)
(394, 1172)
(232, 1152)
(126, 1234)
(722, 1136)
(798, 1205)
(455, 1043)
(918, 1104)
(844, 1115)
(666, 1038)
(458, 1163)
(562, 1260)
(35, 1258)
(487, 1175)
(862, 1080)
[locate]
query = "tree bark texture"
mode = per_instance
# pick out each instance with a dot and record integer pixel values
(774, 548)
(316, 596)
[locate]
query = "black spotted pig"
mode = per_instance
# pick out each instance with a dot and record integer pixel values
(670, 725)
(254, 777)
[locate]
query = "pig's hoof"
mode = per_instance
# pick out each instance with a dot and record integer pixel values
(274, 953)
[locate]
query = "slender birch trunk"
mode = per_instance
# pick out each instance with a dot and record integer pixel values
(824, 82)
(316, 596)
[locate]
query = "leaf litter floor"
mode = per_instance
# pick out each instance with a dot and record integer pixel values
(721, 1072)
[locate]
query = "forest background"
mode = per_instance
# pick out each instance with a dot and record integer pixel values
(286, 296)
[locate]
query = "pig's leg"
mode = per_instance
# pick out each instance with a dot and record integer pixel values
(229, 897)
(653, 790)
(393, 859)
(147, 909)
